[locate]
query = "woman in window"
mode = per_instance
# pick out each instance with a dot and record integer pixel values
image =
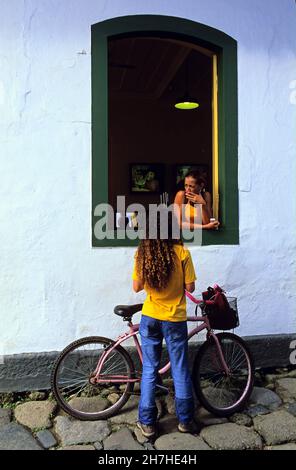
(197, 201)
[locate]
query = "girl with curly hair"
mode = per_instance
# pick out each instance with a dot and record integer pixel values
(164, 268)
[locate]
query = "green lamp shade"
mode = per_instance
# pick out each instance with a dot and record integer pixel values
(186, 102)
(186, 105)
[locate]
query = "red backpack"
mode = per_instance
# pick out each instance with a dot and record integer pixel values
(222, 313)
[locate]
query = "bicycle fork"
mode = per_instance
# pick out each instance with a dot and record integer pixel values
(220, 354)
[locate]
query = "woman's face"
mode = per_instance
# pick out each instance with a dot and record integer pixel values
(191, 186)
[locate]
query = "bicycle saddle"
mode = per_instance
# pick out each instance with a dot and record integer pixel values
(127, 311)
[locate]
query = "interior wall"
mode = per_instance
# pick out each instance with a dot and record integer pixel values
(148, 132)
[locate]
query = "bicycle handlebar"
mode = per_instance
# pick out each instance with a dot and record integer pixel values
(198, 301)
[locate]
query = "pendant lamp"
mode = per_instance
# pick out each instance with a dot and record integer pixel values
(186, 101)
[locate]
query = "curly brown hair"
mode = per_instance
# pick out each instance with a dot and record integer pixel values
(155, 262)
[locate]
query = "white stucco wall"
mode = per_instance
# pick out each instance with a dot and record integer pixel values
(53, 286)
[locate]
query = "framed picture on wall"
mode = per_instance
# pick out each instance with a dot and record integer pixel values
(146, 177)
(182, 170)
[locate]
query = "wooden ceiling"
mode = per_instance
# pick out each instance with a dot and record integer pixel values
(152, 68)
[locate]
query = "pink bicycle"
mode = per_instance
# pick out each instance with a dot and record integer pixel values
(94, 377)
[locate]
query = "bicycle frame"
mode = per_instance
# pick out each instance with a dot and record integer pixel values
(133, 332)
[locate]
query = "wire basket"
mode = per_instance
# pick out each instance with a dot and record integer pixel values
(233, 305)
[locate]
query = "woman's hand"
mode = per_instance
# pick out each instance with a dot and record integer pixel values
(212, 225)
(195, 198)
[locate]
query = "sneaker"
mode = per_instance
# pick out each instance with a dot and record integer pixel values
(188, 427)
(148, 430)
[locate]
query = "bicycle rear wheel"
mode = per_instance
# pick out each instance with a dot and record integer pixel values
(219, 393)
(73, 371)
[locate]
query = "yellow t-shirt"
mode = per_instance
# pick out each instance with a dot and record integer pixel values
(192, 212)
(170, 303)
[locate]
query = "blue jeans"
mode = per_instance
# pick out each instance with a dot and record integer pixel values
(152, 332)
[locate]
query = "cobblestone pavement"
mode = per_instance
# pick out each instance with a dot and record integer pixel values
(33, 421)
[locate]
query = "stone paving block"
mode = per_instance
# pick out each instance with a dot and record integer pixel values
(121, 440)
(271, 378)
(241, 419)
(291, 407)
(179, 441)
(256, 410)
(79, 447)
(277, 427)
(231, 436)
(46, 439)
(265, 397)
(128, 414)
(98, 445)
(13, 436)
(208, 419)
(290, 446)
(5, 416)
(286, 388)
(89, 404)
(292, 374)
(35, 414)
(270, 386)
(72, 432)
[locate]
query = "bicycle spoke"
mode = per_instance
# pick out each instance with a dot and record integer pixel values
(70, 389)
(82, 374)
(111, 368)
(64, 381)
(235, 364)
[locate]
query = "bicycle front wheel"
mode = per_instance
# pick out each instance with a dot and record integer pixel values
(220, 393)
(73, 373)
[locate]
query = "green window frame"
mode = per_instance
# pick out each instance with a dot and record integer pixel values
(226, 49)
